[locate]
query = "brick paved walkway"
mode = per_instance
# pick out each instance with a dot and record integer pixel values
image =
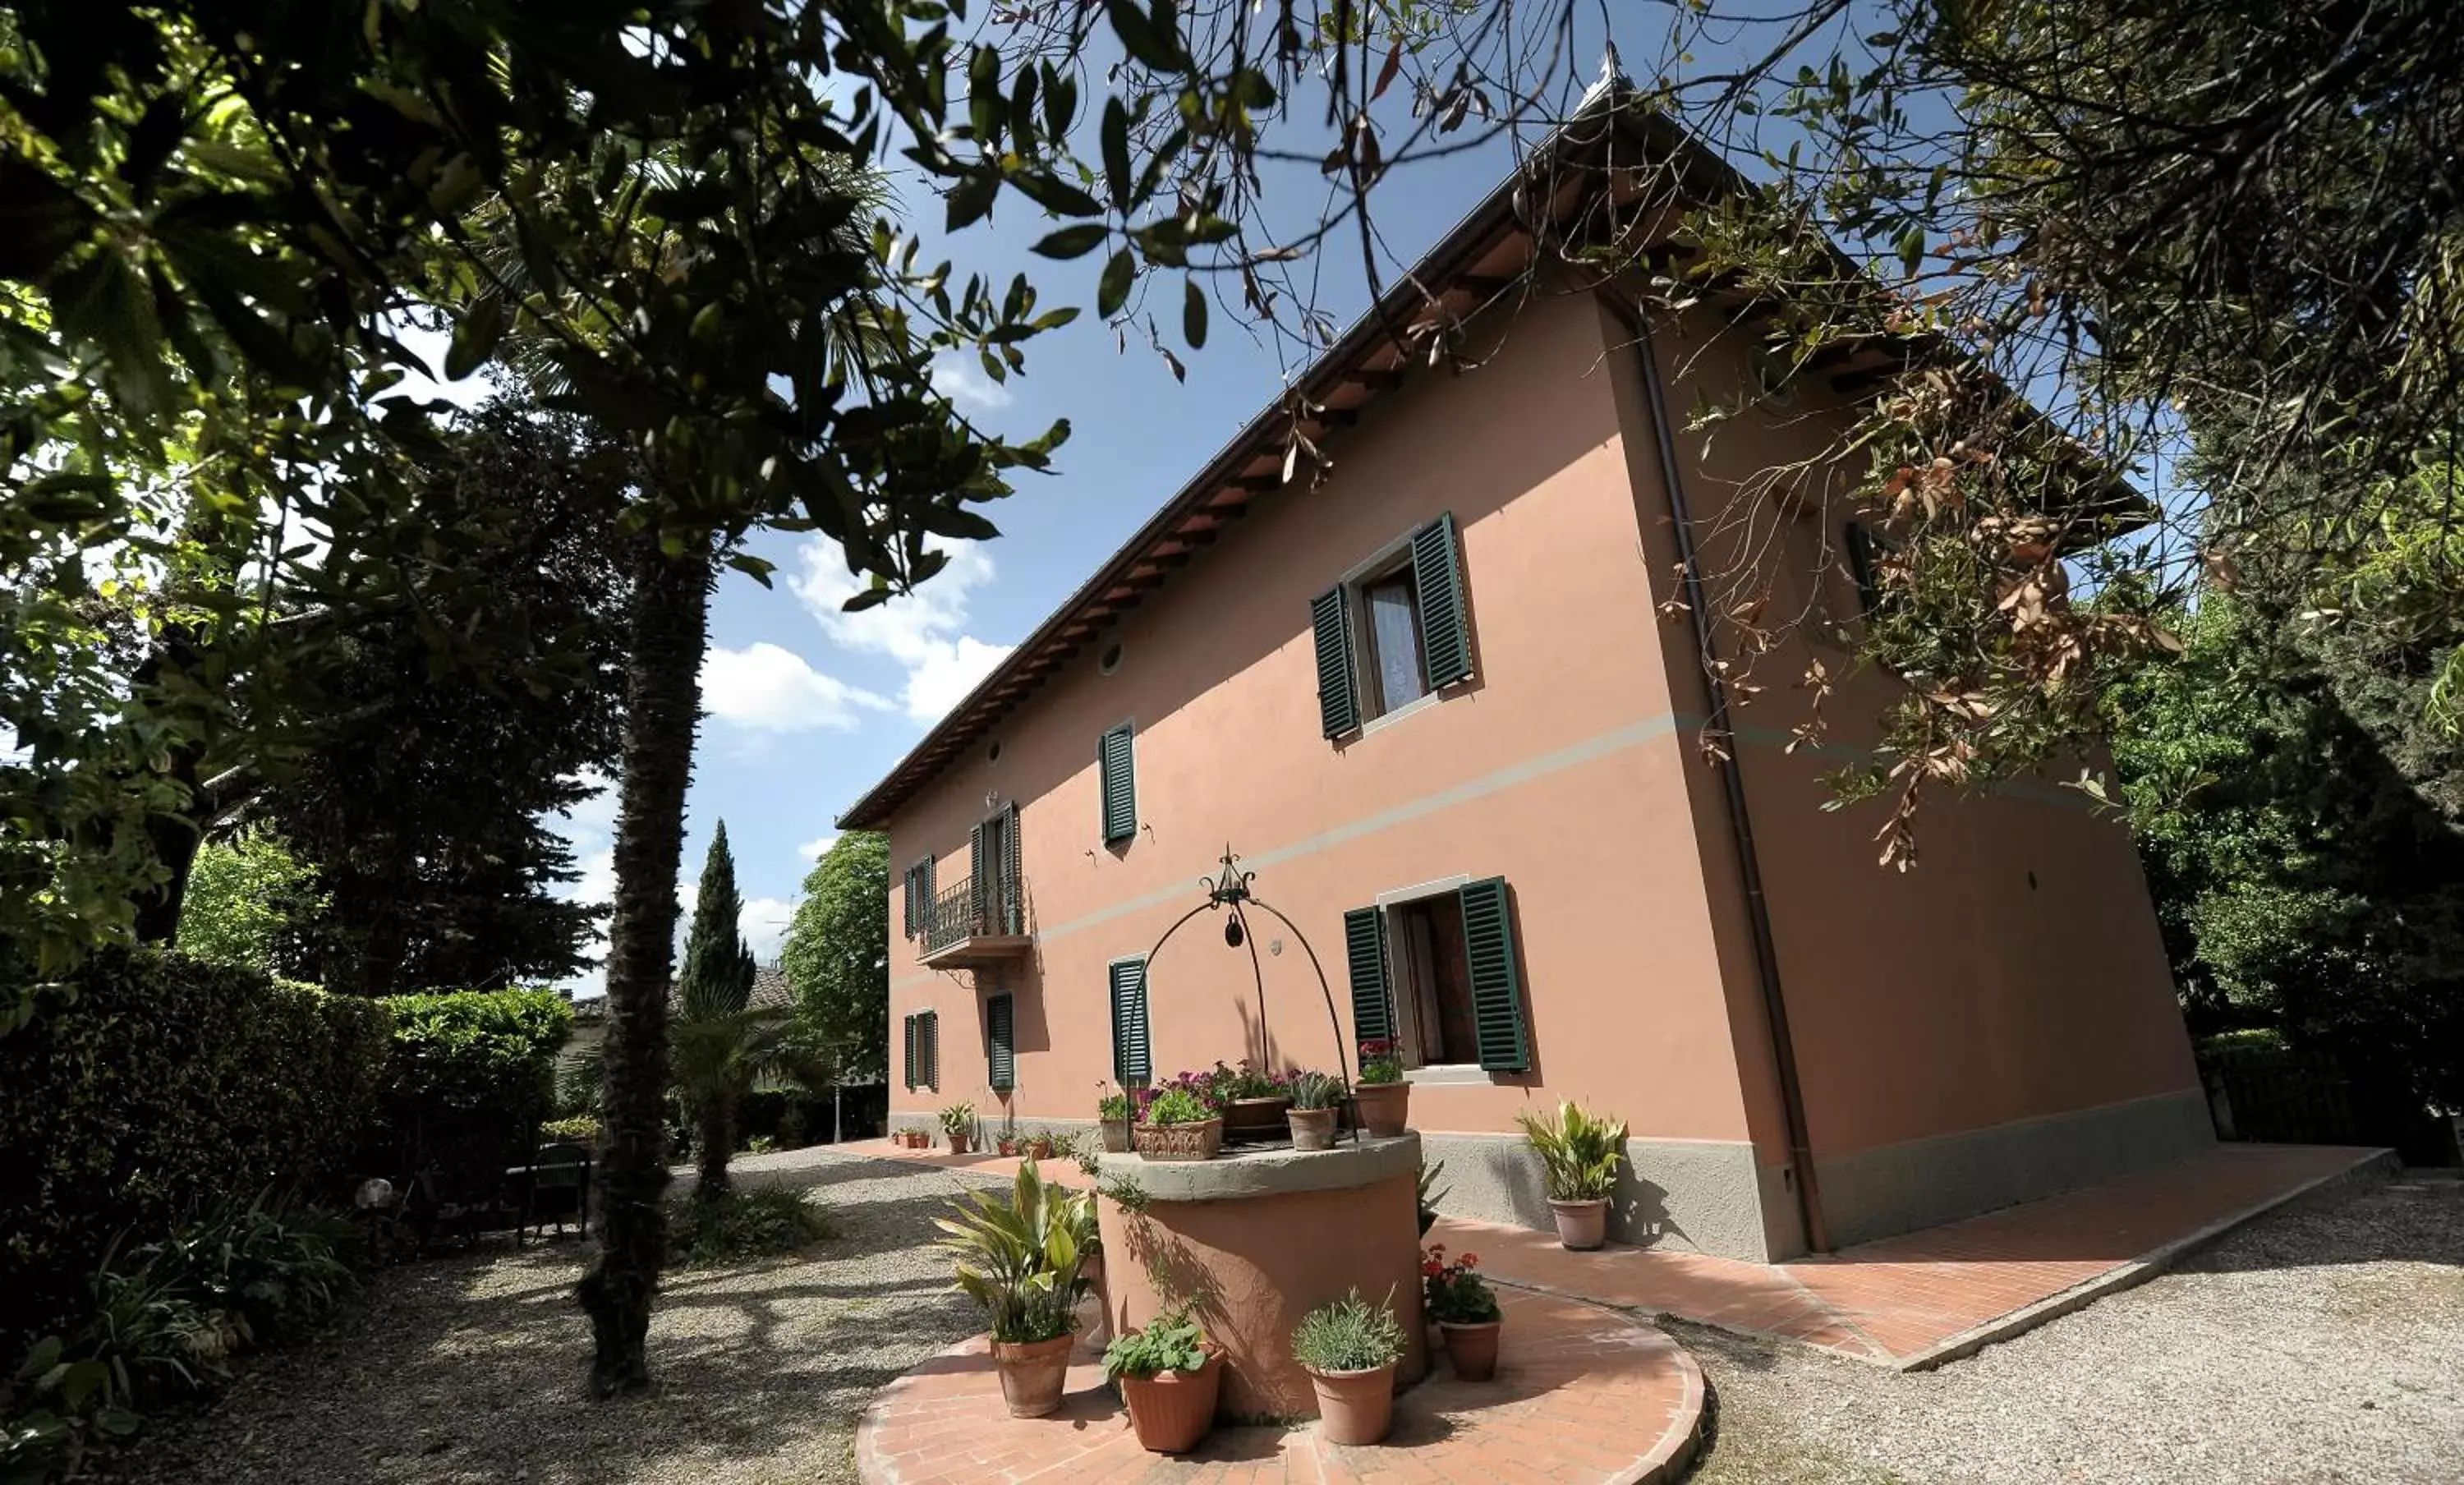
(1925, 1297)
(1582, 1396)
(1910, 1301)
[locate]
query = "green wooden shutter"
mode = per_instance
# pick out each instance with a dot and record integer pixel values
(1338, 703)
(908, 1026)
(1013, 884)
(1496, 989)
(1437, 577)
(1117, 762)
(979, 882)
(907, 895)
(1132, 1059)
(928, 1031)
(1001, 1054)
(1364, 943)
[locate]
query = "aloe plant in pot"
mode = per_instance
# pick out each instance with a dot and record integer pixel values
(1579, 1154)
(1317, 1098)
(1021, 1257)
(959, 1127)
(1171, 1377)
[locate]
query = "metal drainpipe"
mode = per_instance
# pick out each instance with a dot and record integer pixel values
(1792, 1096)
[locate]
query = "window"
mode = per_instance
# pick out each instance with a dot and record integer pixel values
(1000, 1036)
(917, 896)
(1391, 632)
(1115, 763)
(1859, 544)
(993, 878)
(923, 1047)
(1132, 1061)
(1437, 976)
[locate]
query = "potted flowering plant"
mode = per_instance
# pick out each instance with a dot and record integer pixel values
(1112, 1116)
(959, 1127)
(1178, 1123)
(1036, 1144)
(1580, 1152)
(1349, 1349)
(1253, 1102)
(1465, 1309)
(1317, 1098)
(1385, 1100)
(1170, 1377)
(1021, 1258)
(1007, 1144)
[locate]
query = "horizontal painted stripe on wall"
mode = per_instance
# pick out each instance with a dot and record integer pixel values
(1541, 767)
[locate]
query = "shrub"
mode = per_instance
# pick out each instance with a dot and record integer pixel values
(1349, 1335)
(1020, 1256)
(163, 1085)
(1579, 1151)
(748, 1222)
(1454, 1294)
(1380, 1063)
(1316, 1090)
(959, 1118)
(1171, 1341)
(582, 1129)
(474, 1076)
(1177, 1106)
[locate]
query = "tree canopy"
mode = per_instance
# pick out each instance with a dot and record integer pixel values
(837, 955)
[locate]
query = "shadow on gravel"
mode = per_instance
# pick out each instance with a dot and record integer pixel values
(2414, 1216)
(471, 1368)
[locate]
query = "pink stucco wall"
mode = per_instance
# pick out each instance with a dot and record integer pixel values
(2016, 973)
(1556, 768)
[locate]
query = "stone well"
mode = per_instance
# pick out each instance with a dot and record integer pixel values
(1250, 1241)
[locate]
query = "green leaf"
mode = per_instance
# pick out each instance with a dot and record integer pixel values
(1193, 315)
(475, 338)
(972, 197)
(1116, 152)
(1140, 38)
(1072, 241)
(1114, 290)
(1055, 194)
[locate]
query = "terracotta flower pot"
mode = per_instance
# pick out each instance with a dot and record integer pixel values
(1197, 1141)
(1008, 1148)
(1312, 1129)
(1354, 1407)
(1172, 1410)
(1039, 1148)
(961, 1144)
(1472, 1348)
(1384, 1107)
(1033, 1373)
(1261, 1119)
(1581, 1226)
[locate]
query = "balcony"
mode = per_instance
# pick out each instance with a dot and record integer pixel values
(976, 922)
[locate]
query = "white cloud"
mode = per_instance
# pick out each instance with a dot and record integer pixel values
(924, 631)
(818, 846)
(770, 688)
(763, 922)
(964, 383)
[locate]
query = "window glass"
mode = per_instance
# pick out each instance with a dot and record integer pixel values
(1395, 640)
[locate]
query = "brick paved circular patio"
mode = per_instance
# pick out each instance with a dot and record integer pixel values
(1582, 1396)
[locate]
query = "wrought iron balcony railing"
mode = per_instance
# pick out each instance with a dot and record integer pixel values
(981, 920)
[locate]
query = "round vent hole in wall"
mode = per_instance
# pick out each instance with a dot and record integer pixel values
(992, 754)
(1111, 660)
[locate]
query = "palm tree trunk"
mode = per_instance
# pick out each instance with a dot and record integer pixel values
(669, 617)
(717, 1142)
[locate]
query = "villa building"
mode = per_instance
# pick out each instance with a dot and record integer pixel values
(1444, 699)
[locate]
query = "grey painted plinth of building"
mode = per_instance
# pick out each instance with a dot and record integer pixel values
(1270, 1173)
(1925, 1182)
(1706, 1196)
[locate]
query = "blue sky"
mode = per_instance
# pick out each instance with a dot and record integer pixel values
(809, 706)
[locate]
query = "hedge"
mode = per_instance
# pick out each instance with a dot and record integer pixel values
(167, 1083)
(474, 1076)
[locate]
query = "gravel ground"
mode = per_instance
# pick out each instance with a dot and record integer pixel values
(2322, 1342)
(468, 1369)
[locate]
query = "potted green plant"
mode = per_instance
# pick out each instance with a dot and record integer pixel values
(1253, 1102)
(1171, 1377)
(1007, 1144)
(1580, 1152)
(1465, 1309)
(959, 1127)
(1021, 1257)
(1112, 1117)
(1349, 1349)
(1178, 1124)
(1036, 1144)
(1316, 1096)
(1385, 1100)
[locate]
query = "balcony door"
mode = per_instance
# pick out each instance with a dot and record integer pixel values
(994, 873)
